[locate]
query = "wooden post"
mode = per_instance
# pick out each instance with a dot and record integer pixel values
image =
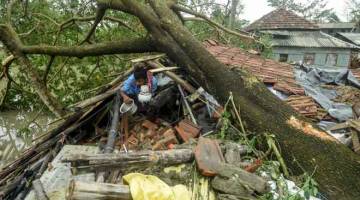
(95, 191)
(130, 159)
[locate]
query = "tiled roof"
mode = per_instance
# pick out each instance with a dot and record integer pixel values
(280, 75)
(310, 39)
(353, 37)
(281, 19)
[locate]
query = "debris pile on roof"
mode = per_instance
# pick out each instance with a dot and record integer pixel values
(285, 79)
(280, 75)
(356, 73)
(304, 105)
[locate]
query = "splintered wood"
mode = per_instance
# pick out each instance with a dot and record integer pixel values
(307, 128)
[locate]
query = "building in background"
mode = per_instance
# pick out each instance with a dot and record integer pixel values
(296, 39)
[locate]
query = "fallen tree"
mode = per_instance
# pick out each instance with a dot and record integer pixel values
(303, 146)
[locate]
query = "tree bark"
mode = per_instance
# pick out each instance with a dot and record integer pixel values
(139, 45)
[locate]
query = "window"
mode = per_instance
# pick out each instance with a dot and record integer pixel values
(283, 57)
(309, 58)
(331, 59)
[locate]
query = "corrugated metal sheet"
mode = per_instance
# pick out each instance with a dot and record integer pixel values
(341, 25)
(353, 37)
(309, 39)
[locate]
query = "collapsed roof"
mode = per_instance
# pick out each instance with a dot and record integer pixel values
(280, 76)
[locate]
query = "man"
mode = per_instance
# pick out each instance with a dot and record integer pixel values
(131, 88)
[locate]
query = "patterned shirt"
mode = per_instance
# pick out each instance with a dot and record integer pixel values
(130, 87)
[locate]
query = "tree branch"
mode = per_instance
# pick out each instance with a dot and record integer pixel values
(6, 64)
(139, 45)
(211, 22)
(100, 12)
(48, 68)
(29, 32)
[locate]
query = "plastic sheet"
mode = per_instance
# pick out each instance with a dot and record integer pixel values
(311, 78)
(148, 187)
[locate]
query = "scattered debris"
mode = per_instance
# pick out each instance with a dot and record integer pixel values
(172, 148)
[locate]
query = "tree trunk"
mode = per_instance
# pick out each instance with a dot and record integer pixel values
(337, 167)
(233, 9)
(86, 191)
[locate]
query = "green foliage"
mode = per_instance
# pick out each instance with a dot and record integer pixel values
(225, 120)
(309, 187)
(315, 10)
(69, 79)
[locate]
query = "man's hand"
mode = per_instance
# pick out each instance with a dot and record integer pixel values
(128, 100)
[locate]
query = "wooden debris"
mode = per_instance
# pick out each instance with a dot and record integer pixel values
(355, 141)
(147, 58)
(95, 191)
(174, 77)
(138, 159)
(163, 69)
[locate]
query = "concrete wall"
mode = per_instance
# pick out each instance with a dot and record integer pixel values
(297, 54)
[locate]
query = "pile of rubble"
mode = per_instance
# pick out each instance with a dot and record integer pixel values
(186, 151)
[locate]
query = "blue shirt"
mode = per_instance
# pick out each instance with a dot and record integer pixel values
(130, 87)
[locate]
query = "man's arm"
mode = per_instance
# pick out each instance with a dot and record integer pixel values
(125, 90)
(125, 97)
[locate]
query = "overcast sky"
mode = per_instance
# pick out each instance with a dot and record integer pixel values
(254, 9)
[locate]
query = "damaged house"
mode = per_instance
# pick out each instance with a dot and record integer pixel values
(296, 39)
(340, 27)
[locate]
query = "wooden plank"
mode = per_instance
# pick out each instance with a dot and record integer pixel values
(355, 140)
(355, 124)
(93, 191)
(163, 69)
(146, 58)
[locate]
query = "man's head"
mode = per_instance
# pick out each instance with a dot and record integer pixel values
(140, 74)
